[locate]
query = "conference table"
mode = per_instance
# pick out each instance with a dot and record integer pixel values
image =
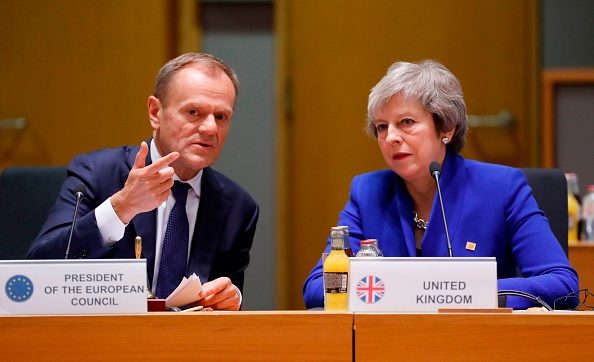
(299, 336)
(194, 336)
(518, 336)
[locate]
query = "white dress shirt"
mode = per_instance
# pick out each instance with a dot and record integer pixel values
(112, 228)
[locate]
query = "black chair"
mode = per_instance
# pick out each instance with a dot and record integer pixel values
(549, 188)
(26, 196)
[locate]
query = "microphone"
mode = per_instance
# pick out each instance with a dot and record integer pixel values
(79, 193)
(435, 170)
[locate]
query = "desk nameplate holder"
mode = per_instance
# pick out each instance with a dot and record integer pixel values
(73, 286)
(394, 284)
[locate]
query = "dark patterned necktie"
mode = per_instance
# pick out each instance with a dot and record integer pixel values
(174, 255)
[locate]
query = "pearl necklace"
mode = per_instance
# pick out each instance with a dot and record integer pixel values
(420, 223)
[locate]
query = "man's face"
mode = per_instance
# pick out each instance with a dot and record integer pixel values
(193, 118)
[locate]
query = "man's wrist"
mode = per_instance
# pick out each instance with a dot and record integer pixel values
(120, 209)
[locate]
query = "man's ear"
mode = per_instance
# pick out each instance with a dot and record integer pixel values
(155, 109)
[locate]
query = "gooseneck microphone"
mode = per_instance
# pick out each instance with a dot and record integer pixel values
(435, 170)
(79, 193)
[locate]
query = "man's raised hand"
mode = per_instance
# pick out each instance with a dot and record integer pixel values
(146, 187)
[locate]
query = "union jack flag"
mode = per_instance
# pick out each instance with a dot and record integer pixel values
(370, 289)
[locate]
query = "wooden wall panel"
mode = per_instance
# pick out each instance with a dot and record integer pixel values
(80, 72)
(551, 79)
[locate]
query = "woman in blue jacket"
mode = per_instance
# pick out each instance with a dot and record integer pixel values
(418, 115)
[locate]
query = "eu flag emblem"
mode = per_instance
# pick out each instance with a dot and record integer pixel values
(19, 288)
(370, 289)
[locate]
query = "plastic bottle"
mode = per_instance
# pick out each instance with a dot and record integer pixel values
(573, 211)
(367, 249)
(376, 246)
(336, 274)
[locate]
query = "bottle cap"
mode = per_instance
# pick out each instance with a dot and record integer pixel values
(336, 232)
(339, 230)
(367, 242)
(344, 228)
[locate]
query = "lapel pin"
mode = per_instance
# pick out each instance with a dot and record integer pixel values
(470, 246)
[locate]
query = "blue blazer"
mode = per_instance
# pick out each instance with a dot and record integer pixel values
(223, 236)
(489, 205)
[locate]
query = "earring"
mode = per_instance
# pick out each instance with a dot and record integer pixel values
(445, 140)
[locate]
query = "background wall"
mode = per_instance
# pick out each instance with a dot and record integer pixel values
(80, 71)
(568, 44)
(567, 33)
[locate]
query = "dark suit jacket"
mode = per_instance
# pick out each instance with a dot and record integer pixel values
(223, 236)
(489, 205)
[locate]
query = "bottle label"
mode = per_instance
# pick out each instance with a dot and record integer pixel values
(336, 282)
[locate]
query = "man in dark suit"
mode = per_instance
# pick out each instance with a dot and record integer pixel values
(128, 189)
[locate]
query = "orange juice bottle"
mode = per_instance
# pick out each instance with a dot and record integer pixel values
(573, 208)
(336, 275)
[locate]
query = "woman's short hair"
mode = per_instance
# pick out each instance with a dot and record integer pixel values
(433, 86)
(175, 65)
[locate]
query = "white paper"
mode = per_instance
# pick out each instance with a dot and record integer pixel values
(186, 292)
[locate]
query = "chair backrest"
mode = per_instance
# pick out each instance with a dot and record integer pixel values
(26, 196)
(549, 188)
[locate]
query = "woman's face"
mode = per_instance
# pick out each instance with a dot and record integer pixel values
(408, 138)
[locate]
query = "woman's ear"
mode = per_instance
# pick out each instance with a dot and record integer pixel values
(449, 134)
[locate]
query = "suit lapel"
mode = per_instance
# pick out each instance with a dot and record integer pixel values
(145, 227)
(452, 181)
(403, 208)
(144, 224)
(454, 194)
(210, 227)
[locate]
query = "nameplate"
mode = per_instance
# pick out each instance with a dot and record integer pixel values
(92, 286)
(393, 284)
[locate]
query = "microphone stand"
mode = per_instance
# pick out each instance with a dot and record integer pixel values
(79, 196)
(435, 169)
